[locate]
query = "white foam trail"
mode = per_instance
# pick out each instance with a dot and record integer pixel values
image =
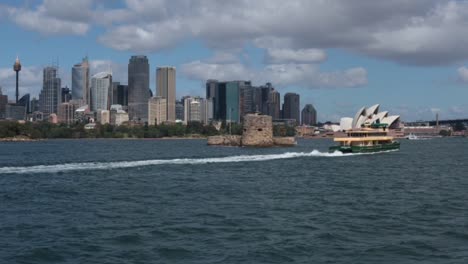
(140, 163)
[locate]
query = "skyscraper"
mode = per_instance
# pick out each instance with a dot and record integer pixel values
(273, 105)
(80, 82)
(138, 88)
(3, 103)
(211, 88)
(179, 110)
(65, 95)
(309, 115)
(120, 94)
(291, 107)
(25, 101)
(157, 107)
(49, 96)
(101, 83)
(166, 88)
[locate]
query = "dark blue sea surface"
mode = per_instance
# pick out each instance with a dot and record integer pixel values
(180, 201)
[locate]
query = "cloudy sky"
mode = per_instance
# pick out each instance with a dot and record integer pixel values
(411, 56)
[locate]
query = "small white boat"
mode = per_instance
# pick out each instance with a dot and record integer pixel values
(412, 137)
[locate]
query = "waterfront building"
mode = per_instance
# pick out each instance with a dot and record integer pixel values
(80, 82)
(82, 113)
(372, 115)
(25, 101)
(119, 117)
(309, 115)
(49, 96)
(15, 112)
(291, 106)
(166, 88)
(53, 118)
(100, 87)
(66, 113)
(157, 107)
(3, 103)
(138, 88)
(103, 116)
(37, 116)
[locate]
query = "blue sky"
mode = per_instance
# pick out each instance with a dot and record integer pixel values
(408, 55)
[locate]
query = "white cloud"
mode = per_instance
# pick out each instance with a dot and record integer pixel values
(418, 32)
(463, 74)
(39, 21)
(298, 56)
(304, 75)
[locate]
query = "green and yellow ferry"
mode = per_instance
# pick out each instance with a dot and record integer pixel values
(373, 138)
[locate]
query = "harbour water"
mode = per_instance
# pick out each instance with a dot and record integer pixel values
(180, 201)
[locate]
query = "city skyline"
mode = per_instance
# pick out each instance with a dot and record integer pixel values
(411, 59)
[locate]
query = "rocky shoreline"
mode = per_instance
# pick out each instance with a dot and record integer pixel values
(18, 139)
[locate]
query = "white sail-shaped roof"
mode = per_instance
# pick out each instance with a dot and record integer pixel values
(373, 110)
(358, 115)
(390, 120)
(379, 117)
(361, 120)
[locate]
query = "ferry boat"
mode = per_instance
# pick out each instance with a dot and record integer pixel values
(373, 138)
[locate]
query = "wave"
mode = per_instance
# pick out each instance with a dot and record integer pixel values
(140, 163)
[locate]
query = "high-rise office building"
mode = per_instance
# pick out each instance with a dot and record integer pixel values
(291, 106)
(157, 107)
(3, 103)
(120, 94)
(273, 105)
(34, 105)
(49, 96)
(309, 115)
(166, 88)
(179, 108)
(198, 109)
(138, 88)
(65, 95)
(100, 86)
(80, 82)
(25, 101)
(211, 88)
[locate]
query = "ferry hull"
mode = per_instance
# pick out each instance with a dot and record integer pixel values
(366, 149)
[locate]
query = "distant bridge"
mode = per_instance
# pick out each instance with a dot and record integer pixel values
(451, 122)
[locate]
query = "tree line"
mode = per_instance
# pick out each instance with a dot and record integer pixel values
(46, 130)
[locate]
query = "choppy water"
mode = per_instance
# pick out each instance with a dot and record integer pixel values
(180, 201)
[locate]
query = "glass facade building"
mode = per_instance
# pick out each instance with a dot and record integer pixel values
(138, 88)
(80, 82)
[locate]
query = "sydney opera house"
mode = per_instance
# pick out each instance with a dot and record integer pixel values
(368, 116)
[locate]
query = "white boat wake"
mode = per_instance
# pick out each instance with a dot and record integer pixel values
(139, 163)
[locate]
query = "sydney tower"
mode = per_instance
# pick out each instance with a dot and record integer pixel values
(17, 69)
